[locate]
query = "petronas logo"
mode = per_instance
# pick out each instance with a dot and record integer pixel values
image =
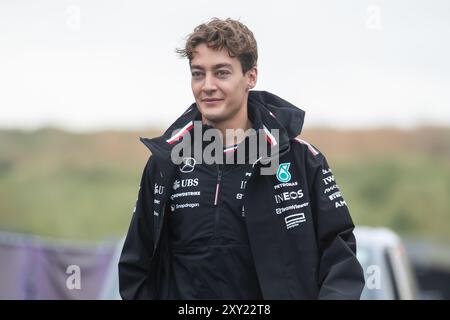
(283, 174)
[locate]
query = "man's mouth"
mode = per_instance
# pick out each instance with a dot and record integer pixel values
(211, 101)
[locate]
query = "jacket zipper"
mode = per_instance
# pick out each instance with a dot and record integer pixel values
(216, 199)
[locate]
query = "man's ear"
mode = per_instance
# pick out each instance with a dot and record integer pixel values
(252, 77)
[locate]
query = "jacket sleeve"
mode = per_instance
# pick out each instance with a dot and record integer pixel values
(340, 275)
(134, 263)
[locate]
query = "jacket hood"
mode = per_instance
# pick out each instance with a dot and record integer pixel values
(286, 115)
(266, 110)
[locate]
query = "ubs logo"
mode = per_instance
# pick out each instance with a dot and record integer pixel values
(185, 183)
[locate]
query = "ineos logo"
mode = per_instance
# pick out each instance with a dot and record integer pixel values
(188, 165)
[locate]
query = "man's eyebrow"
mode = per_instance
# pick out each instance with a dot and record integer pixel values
(215, 67)
(222, 65)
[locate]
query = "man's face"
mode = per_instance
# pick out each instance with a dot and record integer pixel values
(218, 84)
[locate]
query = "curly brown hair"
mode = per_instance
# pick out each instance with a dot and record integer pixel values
(230, 34)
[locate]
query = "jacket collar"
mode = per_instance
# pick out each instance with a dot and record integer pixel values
(266, 110)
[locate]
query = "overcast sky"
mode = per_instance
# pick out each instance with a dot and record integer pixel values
(91, 65)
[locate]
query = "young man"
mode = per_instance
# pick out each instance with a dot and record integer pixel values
(231, 229)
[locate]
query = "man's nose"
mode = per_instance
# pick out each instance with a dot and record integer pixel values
(209, 83)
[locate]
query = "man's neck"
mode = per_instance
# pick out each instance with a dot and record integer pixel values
(241, 121)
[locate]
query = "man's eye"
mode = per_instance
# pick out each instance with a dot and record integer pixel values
(196, 74)
(223, 73)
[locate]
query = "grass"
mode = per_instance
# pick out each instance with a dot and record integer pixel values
(84, 186)
(409, 195)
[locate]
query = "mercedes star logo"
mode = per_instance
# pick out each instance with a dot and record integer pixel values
(188, 165)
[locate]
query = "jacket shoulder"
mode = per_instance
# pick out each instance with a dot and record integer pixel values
(305, 146)
(150, 169)
(307, 151)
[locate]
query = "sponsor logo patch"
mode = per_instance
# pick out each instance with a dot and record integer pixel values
(291, 207)
(188, 165)
(333, 187)
(294, 220)
(286, 196)
(185, 194)
(185, 183)
(335, 195)
(283, 174)
(174, 207)
(328, 179)
(285, 184)
(158, 189)
(340, 203)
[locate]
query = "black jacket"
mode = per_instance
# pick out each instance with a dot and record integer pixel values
(298, 226)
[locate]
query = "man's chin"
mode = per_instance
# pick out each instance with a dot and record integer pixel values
(213, 115)
(214, 118)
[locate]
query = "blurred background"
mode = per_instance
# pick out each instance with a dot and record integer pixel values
(81, 80)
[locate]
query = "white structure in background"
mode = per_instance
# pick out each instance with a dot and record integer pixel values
(110, 290)
(387, 269)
